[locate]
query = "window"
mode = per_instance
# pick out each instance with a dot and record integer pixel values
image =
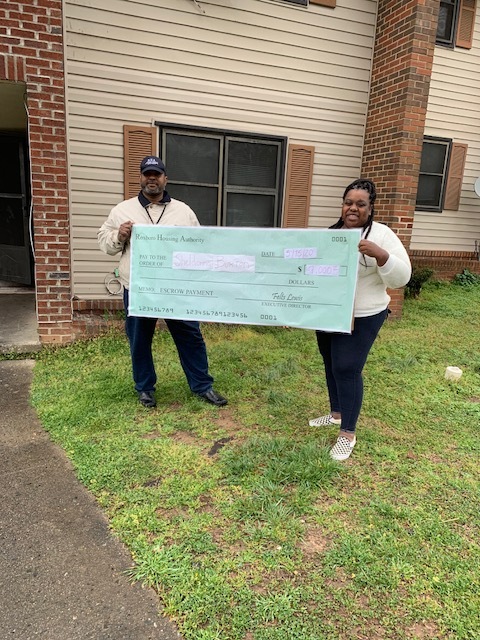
(225, 178)
(456, 21)
(228, 178)
(441, 174)
(447, 19)
(433, 173)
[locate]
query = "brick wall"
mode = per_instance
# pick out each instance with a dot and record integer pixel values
(31, 51)
(446, 264)
(401, 72)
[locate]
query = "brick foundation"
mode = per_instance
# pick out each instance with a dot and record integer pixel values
(94, 317)
(446, 264)
(396, 302)
(95, 307)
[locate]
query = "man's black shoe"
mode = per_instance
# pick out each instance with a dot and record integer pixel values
(147, 399)
(214, 398)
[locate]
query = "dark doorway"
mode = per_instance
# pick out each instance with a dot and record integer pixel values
(16, 256)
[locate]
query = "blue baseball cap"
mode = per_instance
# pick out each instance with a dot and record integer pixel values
(152, 163)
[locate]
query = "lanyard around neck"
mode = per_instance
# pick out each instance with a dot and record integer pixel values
(150, 217)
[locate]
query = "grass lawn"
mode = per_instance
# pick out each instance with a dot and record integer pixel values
(238, 517)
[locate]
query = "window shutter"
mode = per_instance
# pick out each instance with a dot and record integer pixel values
(325, 3)
(455, 176)
(466, 24)
(138, 142)
(298, 185)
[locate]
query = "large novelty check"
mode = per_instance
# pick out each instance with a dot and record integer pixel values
(290, 277)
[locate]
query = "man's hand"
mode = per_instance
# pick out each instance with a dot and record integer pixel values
(125, 231)
(369, 248)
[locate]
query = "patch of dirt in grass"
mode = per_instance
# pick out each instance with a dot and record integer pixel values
(153, 435)
(171, 514)
(467, 530)
(234, 548)
(434, 458)
(185, 437)
(175, 406)
(367, 632)
(343, 615)
(261, 589)
(338, 515)
(325, 502)
(450, 456)
(226, 423)
(474, 399)
(423, 630)
(273, 581)
(315, 541)
(154, 482)
(228, 429)
(207, 505)
(340, 581)
(361, 599)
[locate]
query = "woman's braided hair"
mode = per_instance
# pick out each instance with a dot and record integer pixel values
(369, 187)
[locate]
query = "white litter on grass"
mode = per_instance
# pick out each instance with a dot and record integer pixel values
(453, 373)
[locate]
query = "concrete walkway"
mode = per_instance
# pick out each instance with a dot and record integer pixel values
(18, 320)
(61, 571)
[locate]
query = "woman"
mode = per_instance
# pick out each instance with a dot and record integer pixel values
(383, 263)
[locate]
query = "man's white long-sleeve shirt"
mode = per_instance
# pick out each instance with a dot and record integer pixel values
(173, 213)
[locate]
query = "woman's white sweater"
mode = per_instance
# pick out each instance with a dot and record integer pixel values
(371, 295)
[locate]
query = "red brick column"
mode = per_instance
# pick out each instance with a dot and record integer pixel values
(400, 84)
(31, 51)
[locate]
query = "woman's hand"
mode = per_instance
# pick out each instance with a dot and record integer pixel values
(371, 249)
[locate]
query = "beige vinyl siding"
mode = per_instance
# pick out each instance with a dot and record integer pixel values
(256, 66)
(453, 112)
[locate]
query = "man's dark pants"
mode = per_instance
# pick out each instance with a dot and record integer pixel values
(190, 346)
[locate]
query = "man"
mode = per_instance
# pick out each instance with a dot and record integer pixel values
(154, 206)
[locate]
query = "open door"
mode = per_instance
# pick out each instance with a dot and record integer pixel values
(16, 259)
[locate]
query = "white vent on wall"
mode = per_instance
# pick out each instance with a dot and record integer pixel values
(476, 186)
